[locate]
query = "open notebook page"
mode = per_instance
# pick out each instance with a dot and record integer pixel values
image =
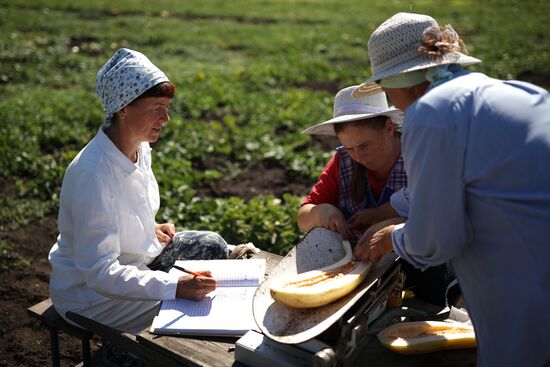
(229, 273)
(225, 311)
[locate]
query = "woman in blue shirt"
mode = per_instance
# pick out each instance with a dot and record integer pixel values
(476, 152)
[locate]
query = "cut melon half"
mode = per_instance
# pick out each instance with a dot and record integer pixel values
(427, 336)
(322, 286)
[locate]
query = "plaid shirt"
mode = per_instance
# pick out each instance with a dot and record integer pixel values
(396, 180)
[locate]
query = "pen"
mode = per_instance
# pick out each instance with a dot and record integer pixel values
(188, 271)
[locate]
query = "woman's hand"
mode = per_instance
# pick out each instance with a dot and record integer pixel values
(323, 215)
(331, 217)
(364, 218)
(376, 241)
(195, 287)
(165, 232)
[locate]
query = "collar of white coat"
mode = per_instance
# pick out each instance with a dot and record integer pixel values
(115, 155)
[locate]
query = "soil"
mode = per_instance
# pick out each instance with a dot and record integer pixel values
(24, 341)
(265, 177)
(275, 180)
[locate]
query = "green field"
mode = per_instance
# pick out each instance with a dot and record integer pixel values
(250, 75)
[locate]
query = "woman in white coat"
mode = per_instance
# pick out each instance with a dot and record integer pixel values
(111, 259)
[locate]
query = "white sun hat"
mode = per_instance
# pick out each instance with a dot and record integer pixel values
(408, 42)
(348, 108)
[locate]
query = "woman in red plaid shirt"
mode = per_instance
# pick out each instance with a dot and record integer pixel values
(353, 191)
(365, 182)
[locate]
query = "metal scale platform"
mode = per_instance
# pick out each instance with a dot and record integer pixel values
(330, 335)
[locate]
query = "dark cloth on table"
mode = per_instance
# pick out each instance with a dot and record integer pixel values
(191, 245)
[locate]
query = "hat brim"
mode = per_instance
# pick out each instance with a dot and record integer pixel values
(421, 62)
(327, 127)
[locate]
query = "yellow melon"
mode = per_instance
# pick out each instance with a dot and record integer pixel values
(322, 286)
(427, 336)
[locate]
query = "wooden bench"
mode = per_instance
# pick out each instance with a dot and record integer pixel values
(47, 315)
(124, 341)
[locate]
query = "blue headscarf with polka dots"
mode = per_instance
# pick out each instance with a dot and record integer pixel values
(123, 78)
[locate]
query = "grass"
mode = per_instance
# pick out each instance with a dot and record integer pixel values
(9, 259)
(250, 74)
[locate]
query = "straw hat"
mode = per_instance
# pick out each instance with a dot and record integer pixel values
(399, 45)
(347, 108)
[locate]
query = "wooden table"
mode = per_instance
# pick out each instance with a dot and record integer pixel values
(219, 351)
(200, 351)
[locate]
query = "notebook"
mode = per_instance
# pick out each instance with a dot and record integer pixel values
(227, 311)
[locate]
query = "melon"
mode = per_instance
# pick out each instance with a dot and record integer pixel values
(427, 336)
(321, 286)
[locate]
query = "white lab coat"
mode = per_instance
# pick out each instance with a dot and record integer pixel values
(107, 237)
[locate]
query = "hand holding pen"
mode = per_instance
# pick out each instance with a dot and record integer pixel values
(197, 287)
(195, 273)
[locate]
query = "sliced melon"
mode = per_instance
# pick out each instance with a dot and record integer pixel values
(427, 336)
(322, 286)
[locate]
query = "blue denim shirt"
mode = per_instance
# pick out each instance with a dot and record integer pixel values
(477, 151)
